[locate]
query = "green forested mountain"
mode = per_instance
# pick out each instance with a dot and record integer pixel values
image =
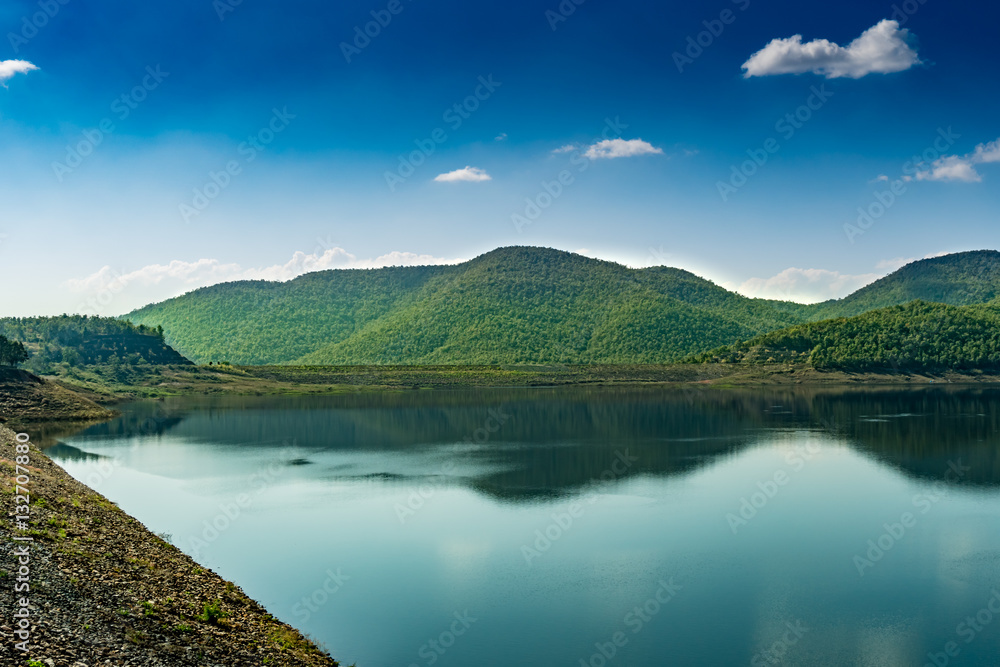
(917, 336)
(516, 305)
(513, 305)
(961, 279)
(79, 340)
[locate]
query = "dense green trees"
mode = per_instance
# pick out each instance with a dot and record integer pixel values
(12, 353)
(514, 305)
(961, 279)
(79, 340)
(917, 336)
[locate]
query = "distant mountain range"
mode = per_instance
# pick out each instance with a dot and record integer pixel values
(518, 305)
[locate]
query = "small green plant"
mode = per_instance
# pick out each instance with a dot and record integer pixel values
(148, 608)
(212, 613)
(35, 663)
(183, 627)
(135, 636)
(123, 612)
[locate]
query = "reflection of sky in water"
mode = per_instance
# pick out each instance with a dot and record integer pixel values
(472, 510)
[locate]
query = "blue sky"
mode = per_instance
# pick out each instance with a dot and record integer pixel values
(151, 149)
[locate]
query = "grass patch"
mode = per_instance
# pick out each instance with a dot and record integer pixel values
(212, 613)
(135, 637)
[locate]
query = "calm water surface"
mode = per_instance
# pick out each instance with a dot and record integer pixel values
(585, 526)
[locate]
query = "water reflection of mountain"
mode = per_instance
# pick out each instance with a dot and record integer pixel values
(534, 443)
(61, 451)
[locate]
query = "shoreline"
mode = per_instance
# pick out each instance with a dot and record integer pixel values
(26, 399)
(104, 590)
(169, 381)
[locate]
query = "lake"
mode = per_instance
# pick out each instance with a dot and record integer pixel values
(585, 526)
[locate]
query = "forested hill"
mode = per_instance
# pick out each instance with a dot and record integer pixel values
(78, 340)
(513, 305)
(516, 305)
(917, 336)
(961, 279)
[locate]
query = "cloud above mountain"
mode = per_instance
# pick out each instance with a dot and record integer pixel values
(961, 167)
(110, 291)
(610, 149)
(466, 174)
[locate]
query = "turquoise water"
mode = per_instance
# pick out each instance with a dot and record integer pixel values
(639, 527)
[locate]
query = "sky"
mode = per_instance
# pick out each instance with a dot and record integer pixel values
(781, 149)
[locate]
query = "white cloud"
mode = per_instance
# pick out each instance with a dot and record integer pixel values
(961, 167)
(468, 174)
(615, 148)
(501, 137)
(950, 168)
(8, 68)
(568, 148)
(806, 285)
(882, 49)
(109, 291)
(986, 153)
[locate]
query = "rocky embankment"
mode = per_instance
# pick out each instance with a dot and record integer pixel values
(29, 398)
(106, 591)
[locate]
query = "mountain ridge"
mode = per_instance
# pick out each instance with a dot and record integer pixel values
(517, 304)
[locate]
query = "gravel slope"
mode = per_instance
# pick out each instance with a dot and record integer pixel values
(106, 591)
